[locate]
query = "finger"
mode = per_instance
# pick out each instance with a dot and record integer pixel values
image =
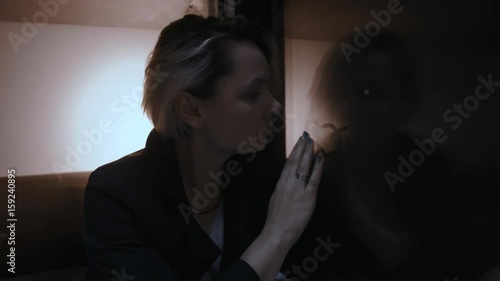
(295, 155)
(314, 180)
(305, 163)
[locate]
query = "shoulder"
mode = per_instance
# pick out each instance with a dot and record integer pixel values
(121, 189)
(122, 167)
(119, 173)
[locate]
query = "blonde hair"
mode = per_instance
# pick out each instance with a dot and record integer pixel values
(190, 55)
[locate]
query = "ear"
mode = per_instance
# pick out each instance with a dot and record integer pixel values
(188, 108)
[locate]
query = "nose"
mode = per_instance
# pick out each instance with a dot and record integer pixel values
(276, 106)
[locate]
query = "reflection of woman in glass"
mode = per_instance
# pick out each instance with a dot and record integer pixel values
(367, 97)
(370, 92)
(200, 201)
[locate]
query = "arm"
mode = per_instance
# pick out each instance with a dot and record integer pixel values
(266, 254)
(290, 209)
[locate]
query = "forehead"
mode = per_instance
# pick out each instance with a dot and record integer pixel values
(375, 68)
(247, 60)
(248, 67)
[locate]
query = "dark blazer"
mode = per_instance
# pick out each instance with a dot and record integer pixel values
(135, 230)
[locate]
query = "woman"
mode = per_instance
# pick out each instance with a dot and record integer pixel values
(192, 204)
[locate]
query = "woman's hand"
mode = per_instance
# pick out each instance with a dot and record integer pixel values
(290, 208)
(293, 202)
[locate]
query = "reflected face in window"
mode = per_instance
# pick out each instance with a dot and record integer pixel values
(369, 97)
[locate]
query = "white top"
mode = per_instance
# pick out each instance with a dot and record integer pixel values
(217, 235)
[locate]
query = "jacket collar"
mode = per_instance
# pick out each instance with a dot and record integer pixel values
(164, 166)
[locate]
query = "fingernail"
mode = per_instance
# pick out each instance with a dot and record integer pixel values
(318, 158)
(305, 135)
(309, 141)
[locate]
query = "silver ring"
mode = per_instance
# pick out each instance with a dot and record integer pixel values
(300, 176)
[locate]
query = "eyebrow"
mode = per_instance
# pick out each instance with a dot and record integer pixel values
(259, 80)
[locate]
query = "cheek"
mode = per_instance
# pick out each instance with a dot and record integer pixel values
(237, 123)
(246, 123)
(259, 122)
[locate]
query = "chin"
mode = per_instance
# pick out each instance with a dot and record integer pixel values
(253, 143)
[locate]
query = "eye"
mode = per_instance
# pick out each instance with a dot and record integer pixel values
(373, 93)
(253, 95)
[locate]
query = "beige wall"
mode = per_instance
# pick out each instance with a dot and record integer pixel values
(144, 14)
(68, 80)
(302, 58)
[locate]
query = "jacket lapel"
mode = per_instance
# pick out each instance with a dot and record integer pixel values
(197, 250)
(245, 208)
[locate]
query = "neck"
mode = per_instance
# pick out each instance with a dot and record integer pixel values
(197, 162)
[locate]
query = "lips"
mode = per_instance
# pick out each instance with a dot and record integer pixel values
(327, 137)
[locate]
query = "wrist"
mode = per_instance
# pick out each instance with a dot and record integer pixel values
(276, 238)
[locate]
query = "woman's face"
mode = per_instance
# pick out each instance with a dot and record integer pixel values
(370, 102)
(236, 118)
